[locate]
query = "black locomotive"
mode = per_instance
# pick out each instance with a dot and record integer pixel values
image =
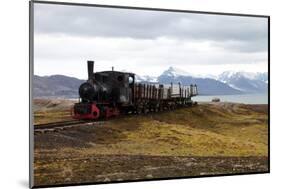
(109, 93)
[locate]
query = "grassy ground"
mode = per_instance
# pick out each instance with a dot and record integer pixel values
(234, 135)
(46, 110)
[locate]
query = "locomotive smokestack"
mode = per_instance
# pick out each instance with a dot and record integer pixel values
(90, 69)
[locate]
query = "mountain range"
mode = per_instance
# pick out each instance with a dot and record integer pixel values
(245, 81)
(56, 86)
(226, 83)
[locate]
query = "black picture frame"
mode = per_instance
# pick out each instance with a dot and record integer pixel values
(31, 64)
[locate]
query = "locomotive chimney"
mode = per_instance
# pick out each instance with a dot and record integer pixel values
(90, 69)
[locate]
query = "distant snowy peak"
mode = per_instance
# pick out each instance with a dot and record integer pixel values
(262, 77)
(176, 72)
(146, 78)
(247, 82)
(231, 75)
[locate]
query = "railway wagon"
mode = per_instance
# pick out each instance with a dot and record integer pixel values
(158, 97)
(109, 93)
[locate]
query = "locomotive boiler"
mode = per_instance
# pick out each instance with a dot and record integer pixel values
(109, 93)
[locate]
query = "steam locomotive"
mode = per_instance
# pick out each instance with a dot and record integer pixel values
(110, 93)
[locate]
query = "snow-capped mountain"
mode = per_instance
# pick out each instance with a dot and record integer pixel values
(228, 75)
(228, 82)
(146, 79)
(206, 86)
(175, 72)
(247, 82)
(262, 77)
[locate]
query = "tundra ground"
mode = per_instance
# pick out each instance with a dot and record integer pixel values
(207, 139)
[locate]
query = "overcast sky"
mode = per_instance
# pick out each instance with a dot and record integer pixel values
(145, 42)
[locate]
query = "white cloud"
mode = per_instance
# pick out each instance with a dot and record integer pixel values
(56, 54)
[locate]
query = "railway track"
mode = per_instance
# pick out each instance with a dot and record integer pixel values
(59, 125)
(54, 126)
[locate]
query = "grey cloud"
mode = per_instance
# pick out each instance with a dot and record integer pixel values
(243, 46)
(243, 34)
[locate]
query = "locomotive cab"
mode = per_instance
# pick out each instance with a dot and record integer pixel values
(119, 85)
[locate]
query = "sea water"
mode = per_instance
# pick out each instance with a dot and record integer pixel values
(245, 98)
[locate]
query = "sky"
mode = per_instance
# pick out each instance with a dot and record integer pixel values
(145, 42)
